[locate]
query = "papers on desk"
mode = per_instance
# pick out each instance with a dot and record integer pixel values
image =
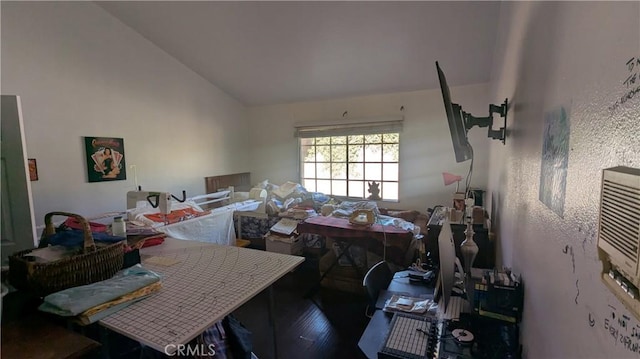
(285, 226)
(284, 190)
(406, 304)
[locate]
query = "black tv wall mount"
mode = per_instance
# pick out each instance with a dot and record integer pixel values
(500, 134)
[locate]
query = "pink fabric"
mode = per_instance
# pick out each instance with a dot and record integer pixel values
(95, 227)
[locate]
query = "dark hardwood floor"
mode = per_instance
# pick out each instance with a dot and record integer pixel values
(303, 329)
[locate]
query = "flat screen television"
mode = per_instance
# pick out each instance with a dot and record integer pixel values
(457, 128)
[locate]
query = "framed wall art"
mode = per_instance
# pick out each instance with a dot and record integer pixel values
(33, 169)
(555, 160)
(105, 159)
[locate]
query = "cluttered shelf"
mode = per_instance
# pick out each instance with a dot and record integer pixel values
(472, 313)
(276, 202)
(486, 246)
(291, 202)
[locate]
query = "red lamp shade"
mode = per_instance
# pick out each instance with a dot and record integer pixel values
(450, 178)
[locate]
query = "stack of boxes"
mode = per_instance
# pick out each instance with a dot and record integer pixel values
(282, 238)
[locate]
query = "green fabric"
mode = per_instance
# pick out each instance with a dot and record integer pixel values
(73, 301)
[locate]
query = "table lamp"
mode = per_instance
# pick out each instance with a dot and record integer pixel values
(469, 248)
(450, 178)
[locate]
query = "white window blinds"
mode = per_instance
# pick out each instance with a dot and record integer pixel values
(354, 127)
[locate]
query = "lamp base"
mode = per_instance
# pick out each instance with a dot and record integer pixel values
(469, 249)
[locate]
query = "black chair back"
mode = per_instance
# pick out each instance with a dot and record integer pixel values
(377, 278)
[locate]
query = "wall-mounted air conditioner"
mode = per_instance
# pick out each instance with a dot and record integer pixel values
(619, 234)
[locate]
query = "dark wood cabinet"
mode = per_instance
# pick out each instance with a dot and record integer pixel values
(486, 247)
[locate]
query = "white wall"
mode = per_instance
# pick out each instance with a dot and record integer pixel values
(573, 55)
(425, 143)
(80, 72)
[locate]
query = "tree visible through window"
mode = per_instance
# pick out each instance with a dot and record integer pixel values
(344, 165)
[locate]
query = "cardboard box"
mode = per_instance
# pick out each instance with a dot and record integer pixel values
(285, 245)
(455, 216)
(458, 201)
(478, 215)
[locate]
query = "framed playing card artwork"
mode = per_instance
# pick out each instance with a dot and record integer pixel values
(105, 159)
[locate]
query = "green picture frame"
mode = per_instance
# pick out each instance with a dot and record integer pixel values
(105, 159)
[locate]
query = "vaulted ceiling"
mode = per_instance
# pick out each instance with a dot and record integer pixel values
(279, 52)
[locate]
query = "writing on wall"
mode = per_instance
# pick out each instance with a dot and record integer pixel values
(569, 251)
(622, 330)
(588, 232)
(631, 82)
(632, 66)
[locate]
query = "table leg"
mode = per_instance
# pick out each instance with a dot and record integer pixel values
(315, 287)
(345, 251)
(104, 339)
(272, 322)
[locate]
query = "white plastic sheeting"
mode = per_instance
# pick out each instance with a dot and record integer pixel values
(214, 228)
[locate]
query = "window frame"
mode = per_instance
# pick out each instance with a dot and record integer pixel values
(383, 141)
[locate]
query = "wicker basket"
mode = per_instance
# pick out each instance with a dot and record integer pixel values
(92, 264)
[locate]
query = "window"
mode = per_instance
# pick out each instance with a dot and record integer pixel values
(342, 165)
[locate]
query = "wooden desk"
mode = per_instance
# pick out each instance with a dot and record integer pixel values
(493, 338)
(400, 284)
(374, 334)
(397, 240)
(376, 331)
(207, 283)
(341, 228)
(36, 337)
